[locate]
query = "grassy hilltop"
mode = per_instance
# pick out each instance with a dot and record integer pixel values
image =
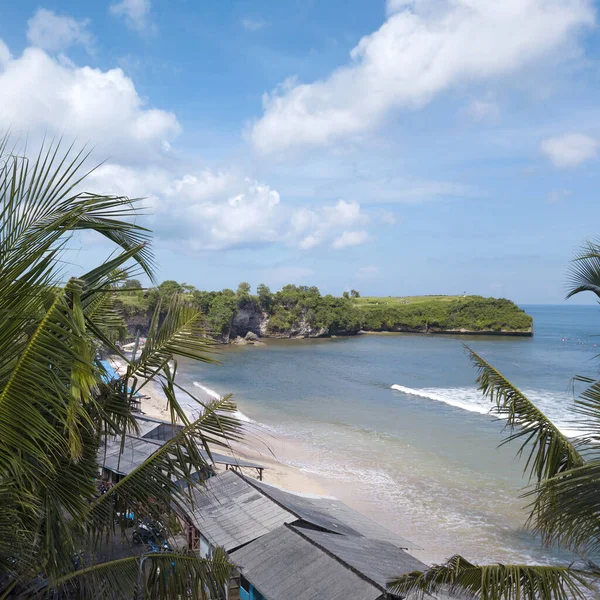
(438, 314)
(301, 311)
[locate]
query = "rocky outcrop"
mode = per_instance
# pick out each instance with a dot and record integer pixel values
(248, 318)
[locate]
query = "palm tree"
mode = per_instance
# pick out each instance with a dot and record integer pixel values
(565, 486)
(57, 407)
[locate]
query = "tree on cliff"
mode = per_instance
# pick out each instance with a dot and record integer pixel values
(354, 294)
(265, 297)
(565, 494)
(243, 289)
(58, 403)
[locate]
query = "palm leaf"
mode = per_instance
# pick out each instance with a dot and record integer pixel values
(493, 582)
(549, 451)
(168, 475)
(179, 333)
(165, 575)
(584, 275)
(568, 509)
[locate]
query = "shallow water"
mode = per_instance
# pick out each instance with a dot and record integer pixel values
(395, 425)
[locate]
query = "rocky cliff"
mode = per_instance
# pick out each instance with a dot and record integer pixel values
(250, 318)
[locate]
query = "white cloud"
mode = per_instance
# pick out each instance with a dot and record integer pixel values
(40, 94)
(55, 33)
(313, 227)
(368, 272)
(135, 12)
(424, 48)
(483, 110)
(253, 24)
(5, 55)
(570, 149)
(211, 210)
(350, 238)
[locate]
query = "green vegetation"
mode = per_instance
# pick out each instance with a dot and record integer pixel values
(442, 313)
(58, 403)
(563, 499)
(296, 309)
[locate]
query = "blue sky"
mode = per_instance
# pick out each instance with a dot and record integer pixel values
(399, 147)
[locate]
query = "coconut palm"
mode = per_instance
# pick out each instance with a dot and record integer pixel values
(565, 485)
(58, 407)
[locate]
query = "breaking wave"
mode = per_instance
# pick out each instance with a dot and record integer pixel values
(210, 393)
(557, 405)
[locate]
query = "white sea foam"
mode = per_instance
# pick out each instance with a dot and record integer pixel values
(244, 418)
(210, 393)
(466, 398)
(557, 405)
(216, 396)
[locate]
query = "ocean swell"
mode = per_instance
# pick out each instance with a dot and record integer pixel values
(557, 405)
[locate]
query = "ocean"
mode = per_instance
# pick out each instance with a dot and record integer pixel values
(393, 424)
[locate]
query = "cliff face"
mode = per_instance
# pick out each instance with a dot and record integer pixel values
(252, 318)
(248, 318)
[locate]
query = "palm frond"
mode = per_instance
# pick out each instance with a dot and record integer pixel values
(493, 582)
(549, 450)
(179, 333)
(37, 422)
(40, 202)
(587, 405)
(584, 275)
(157, 575)
(168, 475)
(568, 509)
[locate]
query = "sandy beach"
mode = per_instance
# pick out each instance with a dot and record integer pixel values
(259, 445)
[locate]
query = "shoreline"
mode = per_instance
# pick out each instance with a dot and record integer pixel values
(258, 445)
(277, 454)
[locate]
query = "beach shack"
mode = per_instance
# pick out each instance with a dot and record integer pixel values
(118, 459)
(287, 545)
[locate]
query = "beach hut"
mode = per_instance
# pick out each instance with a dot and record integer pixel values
(289, 545)
(118, 460)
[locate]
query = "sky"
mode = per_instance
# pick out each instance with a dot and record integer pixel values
(397, 148)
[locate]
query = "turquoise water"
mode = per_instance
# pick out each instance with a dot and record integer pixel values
(394, 425)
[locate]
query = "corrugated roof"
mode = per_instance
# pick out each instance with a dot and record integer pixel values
(379, 561)
(135, 452)
(330, 514)
(156, 432)
(230, 512)
(283, 565)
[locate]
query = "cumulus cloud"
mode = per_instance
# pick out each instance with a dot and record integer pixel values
(136, 14)
(424, 48)
(313, 227)
(212, 210)
(56, 33)
(350, 238)
(570, 149)
(39, 94)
